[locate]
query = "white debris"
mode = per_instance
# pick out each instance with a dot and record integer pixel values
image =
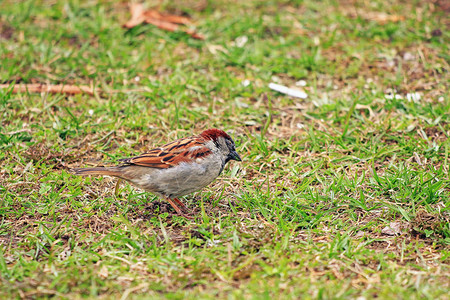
(368, 82)
(137, 78)
(275, 78)
(245, 82)
(214, 49)
(390, 63)
(316, 41)
(413, 97)
(300, 83)
(91, 112)
(241, 104)
(103, 272)
(359, 234)
(287, 91)
(212, 243)
(321, 101)
(410, 127)
(417, 158)
(241, 41)
(408, 56)
(394, 228)
(392, 96)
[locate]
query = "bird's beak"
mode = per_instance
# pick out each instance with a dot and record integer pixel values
(234, 155)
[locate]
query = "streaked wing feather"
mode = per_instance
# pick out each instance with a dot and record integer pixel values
(172, 154)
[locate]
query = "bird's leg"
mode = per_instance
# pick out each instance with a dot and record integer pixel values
(177, 209)
(181, 204)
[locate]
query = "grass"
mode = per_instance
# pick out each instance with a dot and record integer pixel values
(342, 195)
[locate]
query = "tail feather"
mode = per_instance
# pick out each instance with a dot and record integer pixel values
(111, 171)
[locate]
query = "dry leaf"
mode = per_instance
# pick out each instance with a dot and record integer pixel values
(163, 21)
(169, 18)
(50, 88)
(394, 228)
(383, 18)
(379, 17)
(137, 15)
(214, 49)
(103, 272)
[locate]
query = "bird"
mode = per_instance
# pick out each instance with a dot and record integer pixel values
(176, 169)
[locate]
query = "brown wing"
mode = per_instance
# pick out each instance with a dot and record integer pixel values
(172, 154)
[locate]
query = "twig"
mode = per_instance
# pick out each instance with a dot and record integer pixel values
(50, 88)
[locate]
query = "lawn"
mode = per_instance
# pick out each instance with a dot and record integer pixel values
(344, 194)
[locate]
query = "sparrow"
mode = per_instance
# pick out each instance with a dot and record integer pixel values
(176, 169)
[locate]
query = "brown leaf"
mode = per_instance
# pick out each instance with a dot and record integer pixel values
(162, 24)
(50, 88)
(162, 21)
(137, 15)
(154, 14)
(380, 17)
(394, 228)
(383, 18)
(173, 27)
(103, 272)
